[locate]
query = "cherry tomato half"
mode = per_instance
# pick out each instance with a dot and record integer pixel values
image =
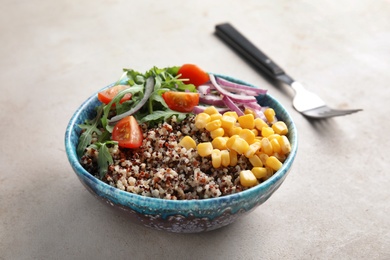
(181, 101)
(107, 95)
(127, 133)
(195, 74)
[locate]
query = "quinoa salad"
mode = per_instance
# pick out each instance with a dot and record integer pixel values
(193, 144)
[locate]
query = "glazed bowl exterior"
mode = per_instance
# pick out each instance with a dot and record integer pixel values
(184, 216)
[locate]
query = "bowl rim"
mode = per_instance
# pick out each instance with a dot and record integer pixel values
(145, 201)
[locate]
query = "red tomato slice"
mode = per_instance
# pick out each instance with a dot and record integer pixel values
(195, 74)
(127, 133)
(181, 101)
(107, 95)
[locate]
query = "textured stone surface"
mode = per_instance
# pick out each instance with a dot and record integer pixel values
(333, 205)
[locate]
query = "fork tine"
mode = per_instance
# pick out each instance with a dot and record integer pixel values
(326, 112)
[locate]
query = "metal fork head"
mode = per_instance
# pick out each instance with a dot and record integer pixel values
(326, 112)
(311, 105)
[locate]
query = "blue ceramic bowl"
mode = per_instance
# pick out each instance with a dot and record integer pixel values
(186, 216)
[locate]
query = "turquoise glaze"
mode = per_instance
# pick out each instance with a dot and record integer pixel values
(187, 216)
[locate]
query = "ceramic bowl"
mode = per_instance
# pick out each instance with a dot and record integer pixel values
(184, 216)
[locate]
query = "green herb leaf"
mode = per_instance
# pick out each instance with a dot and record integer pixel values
(90, 127)
(163, 115)
(104, 156)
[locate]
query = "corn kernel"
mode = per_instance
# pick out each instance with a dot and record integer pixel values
(281, 157)
(267, 131)
(240, 145)
(269, 114)
(249, 111)
(247, 135)
(280, 128)
(215, 117)
(212, 125)
(263, 157)
(232, 114)
(256, 161)
(253, 148)
(219, 142)
(273, 136)
(275, 145)
(201, 120)
(187, 142)
(260, 123)
(255, 131)
(217, 132)
(270, 172)
(285, 145)
(228, 121)
(233, 158)
(204, 149)
(225, 158)
(216, 158)
(211, 110)
(259, 172)
(266, 146)
(235, 130)
(231, 141)
(273, 163)
(247, 121)
(247, 178)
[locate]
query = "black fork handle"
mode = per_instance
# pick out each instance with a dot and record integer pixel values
(250, 52)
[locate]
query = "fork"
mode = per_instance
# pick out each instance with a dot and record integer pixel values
(304, 101)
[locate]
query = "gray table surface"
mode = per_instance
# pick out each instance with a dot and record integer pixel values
(335, 203)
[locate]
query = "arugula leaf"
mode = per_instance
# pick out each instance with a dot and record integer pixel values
(104, 157)
(90, 127)
(163, 115)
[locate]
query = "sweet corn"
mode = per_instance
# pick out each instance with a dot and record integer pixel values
(263, 157)
(204, 149)
(225, 158)
(270, 172)
(219, 142)
(275, 145)
(260, 123)
(247, 135)
(215, 116)
(216, 158)
(235, 130)
(259, 172)
(247, 178)
(255, 131)
(270, 115)
(249, 111)
(285, 145)
(201, 120)
(217, 133)
(187, 142)
(240, 145)
(266, 146)
(253, 148)
(267, 131)
(273, 163)
(256, 161)
(212, 125)
(228, 121)
(233, 158)
(211, 110)
(232, 114)
(230, 141)
(280, 128)
(247, 121)
(273, 136)
(281, 157)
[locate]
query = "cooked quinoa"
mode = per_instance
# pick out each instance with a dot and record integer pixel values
(161, 168)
